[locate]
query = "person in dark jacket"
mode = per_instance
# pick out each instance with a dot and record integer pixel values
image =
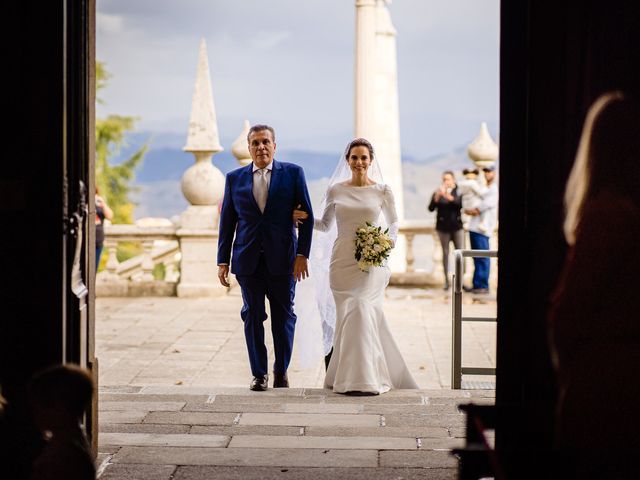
(448, 203)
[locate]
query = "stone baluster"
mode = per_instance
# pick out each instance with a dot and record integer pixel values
(147, 261)
(410, 258)
(438, 273)
(112, 260)
(171, 272)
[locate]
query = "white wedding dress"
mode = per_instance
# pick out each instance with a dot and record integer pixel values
(365, 357)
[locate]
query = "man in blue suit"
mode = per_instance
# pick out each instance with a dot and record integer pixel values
(268, 256)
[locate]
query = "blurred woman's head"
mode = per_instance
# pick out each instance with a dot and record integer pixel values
(608, 156)
(448, 179)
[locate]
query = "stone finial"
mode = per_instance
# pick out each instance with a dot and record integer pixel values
(483, 150)
(203, 184)
(239, 147)
(203, 126)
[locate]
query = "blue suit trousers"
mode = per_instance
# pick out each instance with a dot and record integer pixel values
(280, 290)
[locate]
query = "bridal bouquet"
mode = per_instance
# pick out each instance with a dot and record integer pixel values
(372, 246)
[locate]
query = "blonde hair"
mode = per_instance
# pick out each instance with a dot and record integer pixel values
(579, 182)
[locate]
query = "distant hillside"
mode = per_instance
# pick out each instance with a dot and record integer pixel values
(158, 179)
(166, 160)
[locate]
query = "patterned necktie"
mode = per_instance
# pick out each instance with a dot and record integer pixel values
(261, 189)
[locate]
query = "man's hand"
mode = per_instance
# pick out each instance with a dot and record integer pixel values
(473, 212)
(223, 275)
(300, 268)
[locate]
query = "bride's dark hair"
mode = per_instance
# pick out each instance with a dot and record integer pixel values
(359, 142)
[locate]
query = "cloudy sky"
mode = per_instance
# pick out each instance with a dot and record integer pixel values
(289, 63)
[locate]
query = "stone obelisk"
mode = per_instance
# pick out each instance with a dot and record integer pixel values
(376, 99)
(203, 186)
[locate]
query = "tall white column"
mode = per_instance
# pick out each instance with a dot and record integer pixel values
(377, 115)
(365, 66)
(385, 100)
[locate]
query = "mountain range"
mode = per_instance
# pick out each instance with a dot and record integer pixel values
(157, 180)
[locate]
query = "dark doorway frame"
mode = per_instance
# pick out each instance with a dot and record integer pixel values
(46, 196)
(556, 57)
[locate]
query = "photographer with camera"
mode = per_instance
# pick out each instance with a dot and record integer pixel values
(448, 203)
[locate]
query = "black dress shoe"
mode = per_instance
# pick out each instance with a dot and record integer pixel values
(259, 384)
(280, 380)
(467, 289)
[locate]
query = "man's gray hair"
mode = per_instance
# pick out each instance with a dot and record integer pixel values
(259, 128)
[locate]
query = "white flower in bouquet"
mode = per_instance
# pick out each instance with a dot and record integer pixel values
(373, 246)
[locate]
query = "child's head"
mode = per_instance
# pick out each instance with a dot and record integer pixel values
(60, 393)
(470, 174)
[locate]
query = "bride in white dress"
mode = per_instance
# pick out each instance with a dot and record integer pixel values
(365, 357)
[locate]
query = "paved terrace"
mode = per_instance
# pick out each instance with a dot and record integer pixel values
(175, 402)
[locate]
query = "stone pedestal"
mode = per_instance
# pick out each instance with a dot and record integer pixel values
(203, 186)
(200, 217)
(198, 236)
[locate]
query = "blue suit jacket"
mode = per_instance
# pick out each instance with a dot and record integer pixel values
(272, 231)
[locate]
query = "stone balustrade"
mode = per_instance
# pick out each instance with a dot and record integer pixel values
(424, 256)
(162, 245)
(424, 272)
(134, 276)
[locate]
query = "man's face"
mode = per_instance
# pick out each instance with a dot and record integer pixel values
(489, 175)
(262, 148)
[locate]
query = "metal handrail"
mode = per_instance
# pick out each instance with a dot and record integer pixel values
(457, 370)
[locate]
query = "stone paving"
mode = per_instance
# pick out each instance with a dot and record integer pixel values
(175, 403)
(192, 342)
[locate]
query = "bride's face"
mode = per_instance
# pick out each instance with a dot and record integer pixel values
(359, 160)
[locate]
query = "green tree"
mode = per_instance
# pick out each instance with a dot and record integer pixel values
(114, 181)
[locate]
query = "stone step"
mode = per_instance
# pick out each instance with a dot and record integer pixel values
(207, 472)
(209, 432)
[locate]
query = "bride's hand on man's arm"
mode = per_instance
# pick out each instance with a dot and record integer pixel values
(299, 215)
